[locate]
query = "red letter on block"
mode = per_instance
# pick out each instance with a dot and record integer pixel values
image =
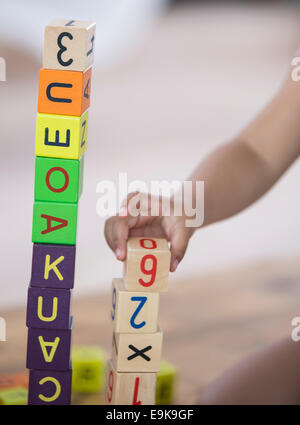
(50, 218)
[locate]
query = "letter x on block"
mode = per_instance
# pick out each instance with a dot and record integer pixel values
(137, 352)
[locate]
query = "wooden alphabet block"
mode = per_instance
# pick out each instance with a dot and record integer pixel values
(49, 387)
(165, 386)
(54, 223)
(53, 266)
(12, 380)
(137, 352)
(129, 388)
(49, 349)
(69, 44)
(61, 136)
(64, 92)
(133, 312)
(48, 308)
(14, 396)
(58, 180)
(147, 265)
(89, 367)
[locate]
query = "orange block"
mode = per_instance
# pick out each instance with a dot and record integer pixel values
(64, 92)
(12, 380)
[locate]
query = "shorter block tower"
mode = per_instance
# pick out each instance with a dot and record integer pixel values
(61, 141)
(137, 338)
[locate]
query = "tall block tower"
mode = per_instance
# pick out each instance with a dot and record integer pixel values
(60, 145)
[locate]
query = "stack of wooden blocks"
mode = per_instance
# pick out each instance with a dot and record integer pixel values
(137, 338)
(61, 140)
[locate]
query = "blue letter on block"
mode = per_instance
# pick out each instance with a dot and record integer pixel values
(142, 301)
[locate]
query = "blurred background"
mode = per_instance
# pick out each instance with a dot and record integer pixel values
(171, 81)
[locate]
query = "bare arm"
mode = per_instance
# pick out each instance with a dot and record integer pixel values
(235, 175)
(238, 173)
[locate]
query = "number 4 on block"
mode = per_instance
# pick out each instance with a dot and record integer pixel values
(147, 265)
(129, 388)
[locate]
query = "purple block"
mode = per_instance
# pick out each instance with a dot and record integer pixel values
(49, 387)
(53, 266)
(48, 308)
(49, 349)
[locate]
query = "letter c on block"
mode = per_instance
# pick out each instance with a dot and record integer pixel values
(57, 390)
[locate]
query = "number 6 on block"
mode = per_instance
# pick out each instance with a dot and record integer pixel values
(147, 265)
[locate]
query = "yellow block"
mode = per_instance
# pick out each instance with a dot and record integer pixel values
(61, 136)
(89, 368)
(14, 396)
(166, 382)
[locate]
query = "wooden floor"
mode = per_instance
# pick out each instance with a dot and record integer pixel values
(209, 323)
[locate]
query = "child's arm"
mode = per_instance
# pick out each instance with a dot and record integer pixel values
(238, 173)
(235, 175)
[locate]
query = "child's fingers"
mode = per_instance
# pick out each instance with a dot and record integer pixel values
(116, 235)
(123, 212)
(179, 242)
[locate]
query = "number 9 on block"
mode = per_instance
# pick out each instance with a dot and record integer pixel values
(147, 265)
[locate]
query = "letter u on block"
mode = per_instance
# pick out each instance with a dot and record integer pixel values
(48, 308)
(40, 310)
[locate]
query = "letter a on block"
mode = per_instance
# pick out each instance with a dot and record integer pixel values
(40, 310)
(49, 218)
(53, 345)
(54, 223)
(53, 266)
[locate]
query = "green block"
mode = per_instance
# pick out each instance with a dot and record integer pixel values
(58, 180)
(165, 385)
(14, 396)
(54, 223)
(89, 369)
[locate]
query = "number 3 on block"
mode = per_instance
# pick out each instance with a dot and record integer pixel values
(147, 265)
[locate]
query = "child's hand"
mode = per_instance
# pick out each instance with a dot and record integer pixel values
(120, 227)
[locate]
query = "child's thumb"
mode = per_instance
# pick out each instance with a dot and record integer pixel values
(179, 242)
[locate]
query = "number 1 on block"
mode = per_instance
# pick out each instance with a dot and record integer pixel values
(147, 265)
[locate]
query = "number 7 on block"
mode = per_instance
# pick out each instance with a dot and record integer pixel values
(147, 265)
